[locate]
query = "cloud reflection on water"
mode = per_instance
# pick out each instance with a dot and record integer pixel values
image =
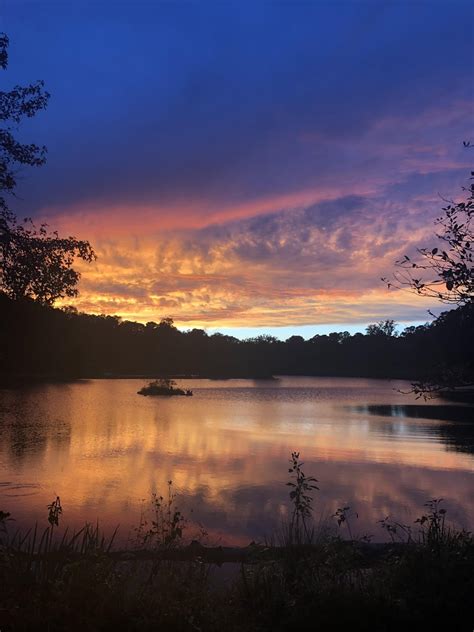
(104, 450)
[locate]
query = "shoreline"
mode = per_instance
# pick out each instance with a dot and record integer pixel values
(20, 380)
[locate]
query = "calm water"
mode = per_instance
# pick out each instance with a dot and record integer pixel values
(103, 449)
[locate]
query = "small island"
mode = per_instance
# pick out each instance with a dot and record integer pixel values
(163, 387)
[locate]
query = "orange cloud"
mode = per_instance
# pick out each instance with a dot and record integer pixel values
(284, 268)
(304, 255)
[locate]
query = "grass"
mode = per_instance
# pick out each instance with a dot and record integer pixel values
(310, 579)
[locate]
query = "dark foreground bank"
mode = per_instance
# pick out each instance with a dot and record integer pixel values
(52, 580)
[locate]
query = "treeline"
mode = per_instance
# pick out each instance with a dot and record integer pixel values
(39, 341)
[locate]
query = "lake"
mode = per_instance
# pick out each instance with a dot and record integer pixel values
(104, 450)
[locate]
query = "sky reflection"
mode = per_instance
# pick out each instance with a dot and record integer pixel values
(104, 450)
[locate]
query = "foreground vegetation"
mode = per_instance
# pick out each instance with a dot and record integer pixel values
(304, 580)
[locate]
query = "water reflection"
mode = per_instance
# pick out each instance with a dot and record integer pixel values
(443, 412)
(103, 449)
(456, 435)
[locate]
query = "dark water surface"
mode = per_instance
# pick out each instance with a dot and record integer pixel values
(104, 450)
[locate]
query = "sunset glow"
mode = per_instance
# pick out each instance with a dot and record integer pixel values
(243, 191)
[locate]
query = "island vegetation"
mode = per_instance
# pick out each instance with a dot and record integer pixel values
(164, 387)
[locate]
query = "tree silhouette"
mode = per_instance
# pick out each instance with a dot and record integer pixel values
(445, 272)
(37, 264)
(382, 328)
(21, 102)
(34, 263)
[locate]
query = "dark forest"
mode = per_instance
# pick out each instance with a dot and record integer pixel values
(41, 341)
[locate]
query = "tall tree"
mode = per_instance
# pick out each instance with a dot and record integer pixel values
(446, 273)
(34, 263)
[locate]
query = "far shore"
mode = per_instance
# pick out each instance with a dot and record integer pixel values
(9, 380)
(462, 395)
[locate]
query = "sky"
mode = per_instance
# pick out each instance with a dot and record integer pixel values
(246, 166)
